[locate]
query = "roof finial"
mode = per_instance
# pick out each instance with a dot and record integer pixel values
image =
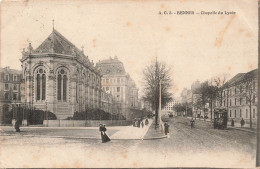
(53, 24)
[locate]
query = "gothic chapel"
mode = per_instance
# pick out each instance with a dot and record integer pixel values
(58, 77)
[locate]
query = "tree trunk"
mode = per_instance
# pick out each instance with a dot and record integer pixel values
(204, 112)
(250, 114)
(211, 110)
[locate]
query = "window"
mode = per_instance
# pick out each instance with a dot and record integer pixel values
(122, 80)
(240, 113)
(15, 87)
(15, 78)
(107, 80)
(235, 101)
(253, 113)
(224, 102)
(40, 84)
(246, 113)
(253, 99)
(7, 77)
(6, 96)
(118, 80)
(118, 89)
(62, 85)
(235, 113)
(14, 96)
(230, 113)
(230, 102)
(240, 100)
(235, 91)
(224, 93)
(6, 87)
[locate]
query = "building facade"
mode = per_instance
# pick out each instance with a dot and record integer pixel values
(10, 92)
(239, 92)
(116, 81)
(59, 77)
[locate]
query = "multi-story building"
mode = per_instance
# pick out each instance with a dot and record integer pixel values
(59, 77)
(107, 102)
(10, 92)
(116, 81)
(239, 92)
(168, 108)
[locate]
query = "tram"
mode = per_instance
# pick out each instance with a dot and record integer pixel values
(220, 118)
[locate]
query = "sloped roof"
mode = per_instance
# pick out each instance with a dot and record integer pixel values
(111, 67)
(8, 70)
(57, 43)
(240, 77)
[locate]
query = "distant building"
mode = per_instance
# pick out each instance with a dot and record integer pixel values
(10, 91)
(116, 81)
(168, 108)
(59, 77)
(235, 96)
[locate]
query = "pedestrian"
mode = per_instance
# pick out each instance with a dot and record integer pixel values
(166, 128)
(192, 122)
(146, 122)
(142, 123)
(17, 126)
(138, 123)
(242, 122)
(232, 123)
(104, 137)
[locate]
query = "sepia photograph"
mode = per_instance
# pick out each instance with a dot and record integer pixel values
(129, 84)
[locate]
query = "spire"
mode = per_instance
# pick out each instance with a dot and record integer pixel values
(52, 24)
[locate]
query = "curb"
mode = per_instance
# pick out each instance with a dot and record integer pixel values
(242, 129)
(90, 138)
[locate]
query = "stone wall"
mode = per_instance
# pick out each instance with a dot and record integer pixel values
(82, 123)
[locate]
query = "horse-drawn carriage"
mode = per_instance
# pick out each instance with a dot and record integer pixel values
(220, 118)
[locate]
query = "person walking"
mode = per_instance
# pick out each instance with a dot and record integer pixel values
(232, 123)
(142, 123)
(17, 126)
(146, 122)
(166, 128)
(242, 122)
(192, 122)
(104, 137)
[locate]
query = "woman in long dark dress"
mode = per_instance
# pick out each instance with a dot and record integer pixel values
(104, 137)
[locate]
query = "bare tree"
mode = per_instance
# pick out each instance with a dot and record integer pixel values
(249, 93)
(219, 82)
(153, 75)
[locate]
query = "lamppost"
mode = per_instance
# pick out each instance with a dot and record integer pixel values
(46, 113)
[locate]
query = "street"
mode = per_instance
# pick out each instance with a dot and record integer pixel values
(201, 146)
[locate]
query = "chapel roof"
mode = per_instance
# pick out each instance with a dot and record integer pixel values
(57, 43)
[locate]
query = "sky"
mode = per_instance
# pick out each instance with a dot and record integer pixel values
(195, 47)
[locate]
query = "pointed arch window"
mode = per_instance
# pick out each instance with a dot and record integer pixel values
(62, 80)
(40, 84)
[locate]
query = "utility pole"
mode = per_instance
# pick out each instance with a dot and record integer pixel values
(258, 99)
(160, 103)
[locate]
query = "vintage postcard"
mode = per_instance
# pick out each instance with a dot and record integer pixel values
(116, 84)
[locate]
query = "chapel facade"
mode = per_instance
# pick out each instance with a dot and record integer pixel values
(58, 77)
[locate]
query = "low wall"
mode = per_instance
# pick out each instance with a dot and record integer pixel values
(83, 123)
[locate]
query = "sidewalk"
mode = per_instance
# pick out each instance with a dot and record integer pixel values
(114, 132)
(237, 126)
(154, 133)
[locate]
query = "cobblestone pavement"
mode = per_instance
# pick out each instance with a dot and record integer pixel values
(202, 146)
